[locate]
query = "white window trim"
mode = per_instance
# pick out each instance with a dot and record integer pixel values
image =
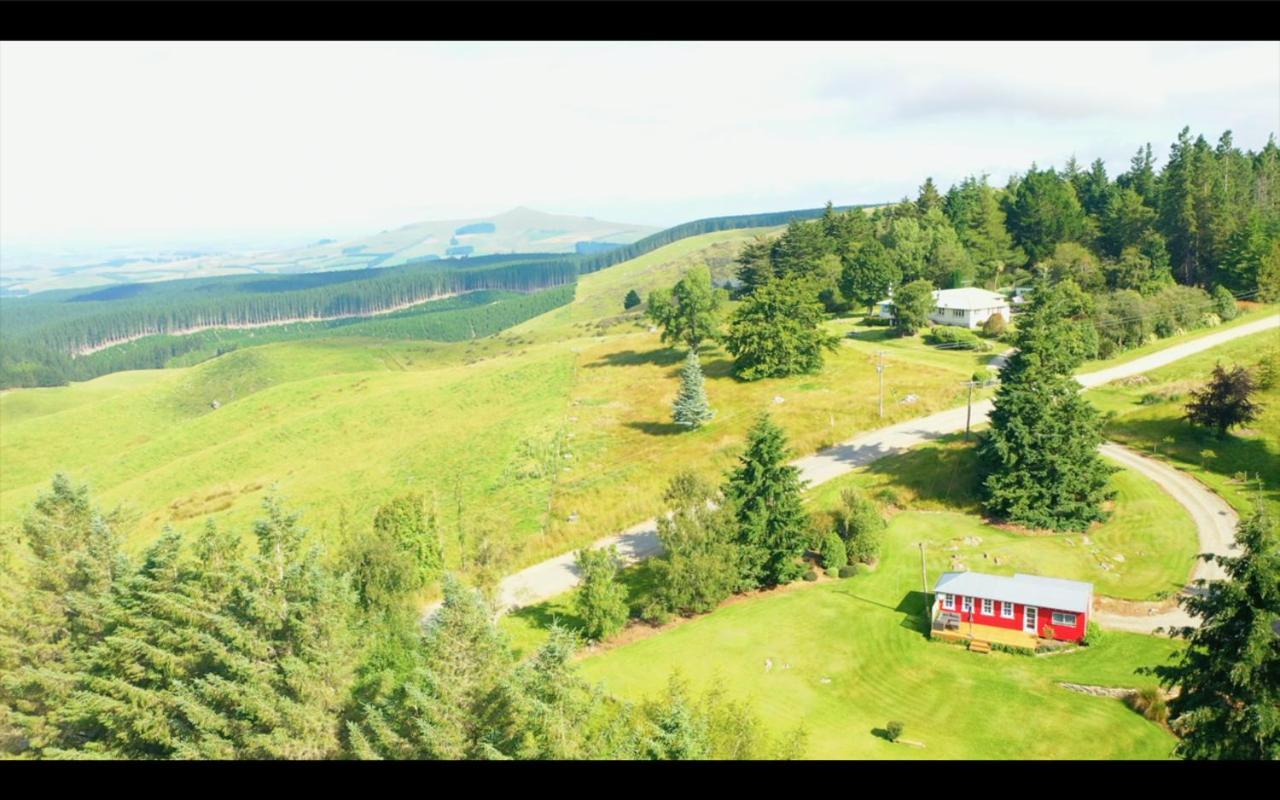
(1006, 609)
(1060, 618)
(967, 603)
(948, 601)
(988, 607)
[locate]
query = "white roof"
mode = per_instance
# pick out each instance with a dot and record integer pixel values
(967, 299)
(1029, 590)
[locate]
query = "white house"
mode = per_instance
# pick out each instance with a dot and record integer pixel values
(964, 308)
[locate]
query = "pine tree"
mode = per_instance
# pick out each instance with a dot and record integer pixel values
(631, 300)
(1228, 706)
(691, 409)
(1039, 460)
(57, 613)
(767, 496)
(601, 600)
(777, 332)
(869, 274)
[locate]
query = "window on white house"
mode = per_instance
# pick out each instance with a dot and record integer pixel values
(1064, 619)
(968, 604)
(1006, 609)
(988, 606)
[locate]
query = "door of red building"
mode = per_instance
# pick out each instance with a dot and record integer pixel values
(1030, 616)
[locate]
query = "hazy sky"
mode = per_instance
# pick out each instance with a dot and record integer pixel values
(115, 142)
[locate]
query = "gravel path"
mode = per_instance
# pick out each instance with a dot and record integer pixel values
(555, 576)
(1215, 525)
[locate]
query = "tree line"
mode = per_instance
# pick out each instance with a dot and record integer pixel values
(201, 649)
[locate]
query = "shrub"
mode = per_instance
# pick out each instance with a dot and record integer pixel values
(833, 551)
(894, 730)
(980, 376)
(848, 570)
(1225, 304)
(994, 326)
(833, 572)
(1268, 371)
(1046, 632)
(811, 575)
(957, 338)
(1150, 703)
(859, 524)
(1092, 634)
(889, 496)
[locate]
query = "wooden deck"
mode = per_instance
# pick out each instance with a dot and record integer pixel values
(988, 634)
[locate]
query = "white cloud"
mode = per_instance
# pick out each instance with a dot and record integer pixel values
(115, 141)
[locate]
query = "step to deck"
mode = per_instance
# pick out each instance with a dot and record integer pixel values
(978, 646)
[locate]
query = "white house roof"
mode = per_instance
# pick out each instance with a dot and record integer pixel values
(967, 299)
(1029, 590)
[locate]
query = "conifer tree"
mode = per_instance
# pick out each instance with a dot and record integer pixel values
(601, 600)
(631, 300)
(691, 409)
(1228, 704)
(777, 332)
(766, 494)
(57, 613)
(1039, 460)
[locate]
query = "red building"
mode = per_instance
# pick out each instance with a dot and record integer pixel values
(968, 602)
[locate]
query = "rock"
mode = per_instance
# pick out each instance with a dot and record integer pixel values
(909, 399)
(768, 664)
(1084, 539)
(215, 405)
(1118, 557)
(573, 517)
(824, 679)
(778, 400)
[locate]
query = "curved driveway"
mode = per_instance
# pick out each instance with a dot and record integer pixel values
(555, 576)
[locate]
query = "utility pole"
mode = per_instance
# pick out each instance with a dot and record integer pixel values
(924, 583)
(880, 372)
(968, 414)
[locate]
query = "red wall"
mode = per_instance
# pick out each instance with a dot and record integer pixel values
(1063, 632)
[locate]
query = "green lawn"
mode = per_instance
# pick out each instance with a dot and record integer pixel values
(848, 656)
(1145, 550)
(1156, 428)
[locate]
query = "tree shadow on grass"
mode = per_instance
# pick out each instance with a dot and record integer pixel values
(1229, 456)
(881, 733)
(657, 428)
(874, 335)
(543, 615)
(946, 473)
(665, 357)
(912, 607)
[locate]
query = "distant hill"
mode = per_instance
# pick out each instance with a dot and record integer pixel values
(520, 230)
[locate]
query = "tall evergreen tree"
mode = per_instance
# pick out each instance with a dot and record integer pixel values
(1039, 459)
(1228, 677)
(1225, 401)
(691, 409)
(755, 266)
(766, 494)
(868, 274)
(777, 331)
(57, 613)
(928, 198)
(1043, 211)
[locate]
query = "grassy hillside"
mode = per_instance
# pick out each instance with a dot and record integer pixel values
(1145, 412)
(554, 432)
(348, 423)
